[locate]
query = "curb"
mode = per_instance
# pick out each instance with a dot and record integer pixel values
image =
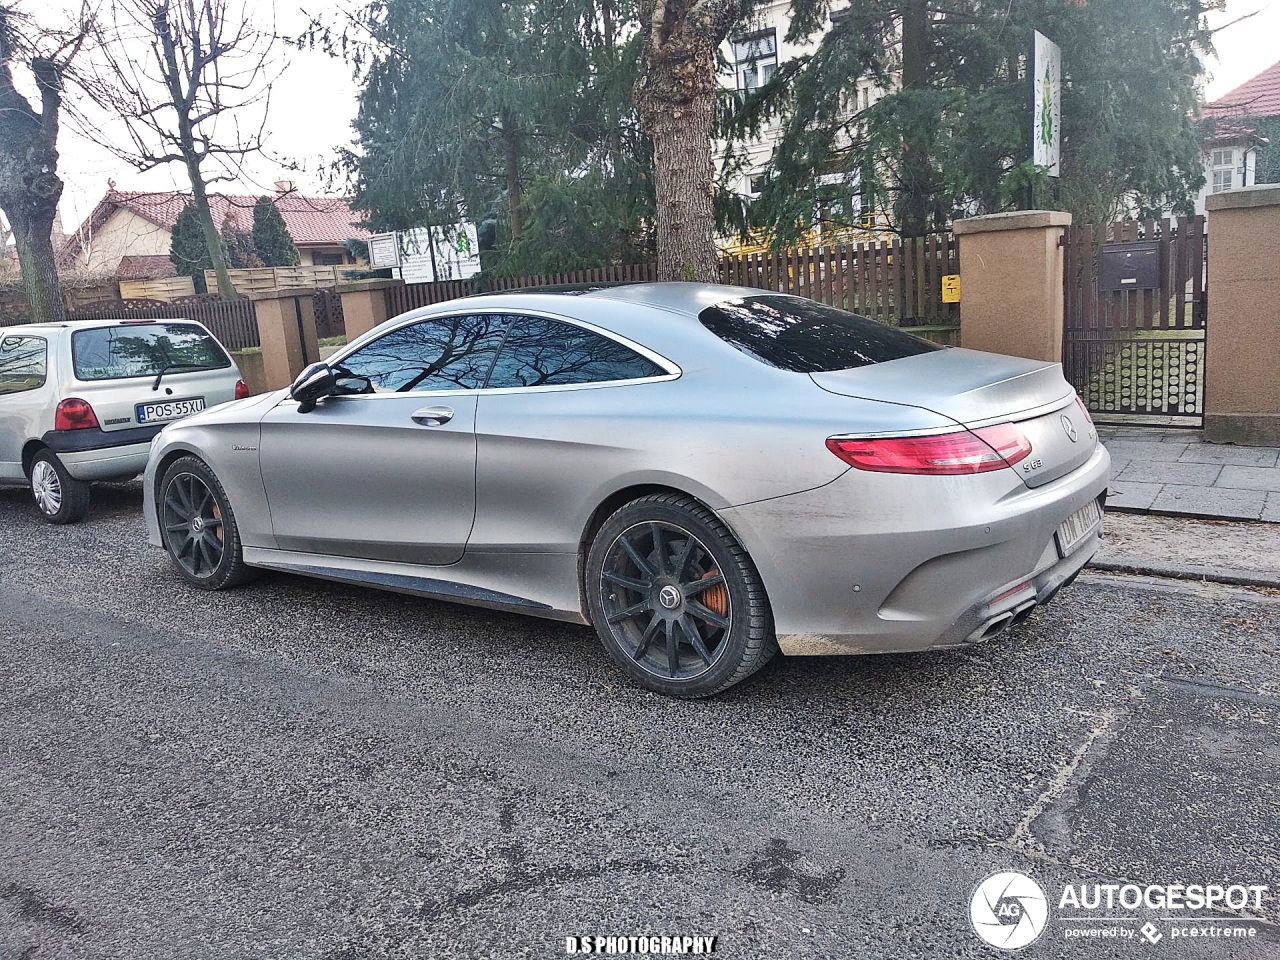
(1176, 515)
(1230, 576)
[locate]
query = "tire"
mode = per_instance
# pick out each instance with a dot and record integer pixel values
(644, 584)
(198, 527)
(60, 497)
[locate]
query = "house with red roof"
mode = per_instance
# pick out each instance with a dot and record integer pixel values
(128, 234)
(1240, 129)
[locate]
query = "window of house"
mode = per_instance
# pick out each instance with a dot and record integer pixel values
(839, 198)
(755, 59)
(321, 259)
(541, 352)
(23, 364)
(1222, 170)
(443, 353)
(757, 184)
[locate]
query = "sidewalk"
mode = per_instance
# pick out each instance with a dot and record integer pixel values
(1173, 472)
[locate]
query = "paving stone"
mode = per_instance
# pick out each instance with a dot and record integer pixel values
(1145, 449)
(1210, 502)
(1249, 478)
(1236, 456)
(1131, 495)
(1271, 510)
(1182, 436)
(1118, 464)
(1158, 471)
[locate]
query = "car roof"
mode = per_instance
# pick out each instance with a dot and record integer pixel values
(82, 324)
(676, 296)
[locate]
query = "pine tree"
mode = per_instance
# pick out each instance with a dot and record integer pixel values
(239, 244)
(188, 250)
(515, 116)
(950, 137)
(271, 237)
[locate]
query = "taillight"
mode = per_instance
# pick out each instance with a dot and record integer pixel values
(945, 454)
(74, 414)
(1083, 409)
(242, 390)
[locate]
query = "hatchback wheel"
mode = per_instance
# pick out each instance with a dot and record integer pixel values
(60, 497)
(675, 598)
(199, 527)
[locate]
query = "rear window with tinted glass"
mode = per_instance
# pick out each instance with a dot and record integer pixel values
(144, 350)
(795, 334)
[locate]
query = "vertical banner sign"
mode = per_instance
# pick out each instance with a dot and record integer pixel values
(1046, 103)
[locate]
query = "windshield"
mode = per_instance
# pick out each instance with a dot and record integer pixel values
(144, 350)
(802, 336)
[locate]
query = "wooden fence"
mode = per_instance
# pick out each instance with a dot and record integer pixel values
(233, 322)
(167, 289)
(260, 279)
(892, 281)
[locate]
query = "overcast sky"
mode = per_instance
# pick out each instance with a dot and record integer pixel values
(313, 104)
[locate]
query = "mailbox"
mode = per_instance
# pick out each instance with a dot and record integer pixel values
(1129, 266)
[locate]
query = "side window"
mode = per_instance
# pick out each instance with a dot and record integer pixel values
(540, 352)
(23, 364)
(443, 353)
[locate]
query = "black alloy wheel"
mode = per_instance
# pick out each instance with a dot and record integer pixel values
(675, 599)
(198, 527)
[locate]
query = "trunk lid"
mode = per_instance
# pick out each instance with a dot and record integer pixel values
(977, 389)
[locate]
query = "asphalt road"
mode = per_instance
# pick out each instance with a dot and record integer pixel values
(294, 769)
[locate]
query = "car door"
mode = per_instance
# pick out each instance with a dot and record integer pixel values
(24, 398)
(385, 469)
(564, 409)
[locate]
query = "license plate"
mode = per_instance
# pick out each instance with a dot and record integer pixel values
(1078, 526)
(169, 410)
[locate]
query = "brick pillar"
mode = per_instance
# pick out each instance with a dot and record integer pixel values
(364, 305)
(287, 331)
(1242, 360)
(1011, 283)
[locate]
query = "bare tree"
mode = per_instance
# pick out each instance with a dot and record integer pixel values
(30, 187)
(209, 67)
(676, 97)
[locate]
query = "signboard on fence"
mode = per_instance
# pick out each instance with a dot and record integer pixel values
(430, 254)
(384, 251)
(951, 288)
(1046, 103)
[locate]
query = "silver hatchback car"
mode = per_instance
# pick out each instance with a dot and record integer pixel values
(705, 474)
(82, 400)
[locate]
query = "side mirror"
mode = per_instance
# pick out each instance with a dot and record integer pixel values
(313, 384)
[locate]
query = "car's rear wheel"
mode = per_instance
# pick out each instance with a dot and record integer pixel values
(675, 598)
(199, 528)
(60, 497)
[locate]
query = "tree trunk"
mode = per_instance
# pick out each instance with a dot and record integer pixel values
(676, 98)
(212, 239)
(39, 265)
(515, 190)
(917, 176)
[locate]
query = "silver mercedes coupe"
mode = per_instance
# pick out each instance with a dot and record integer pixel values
(705, 474)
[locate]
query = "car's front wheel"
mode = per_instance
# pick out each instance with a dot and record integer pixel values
(675, 598)
(199, 527)
(60, 497)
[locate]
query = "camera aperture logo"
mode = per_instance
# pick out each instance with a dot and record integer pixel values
(1009, 910)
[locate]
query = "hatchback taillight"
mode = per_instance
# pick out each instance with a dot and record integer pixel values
(944, 454)
(242, 390)
(74, 414)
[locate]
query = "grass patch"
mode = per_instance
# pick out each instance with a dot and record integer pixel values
(338, 341)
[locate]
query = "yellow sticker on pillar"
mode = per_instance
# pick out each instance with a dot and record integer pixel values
(951, 288)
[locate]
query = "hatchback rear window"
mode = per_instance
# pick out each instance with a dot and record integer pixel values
(144, 350)
(795, 334)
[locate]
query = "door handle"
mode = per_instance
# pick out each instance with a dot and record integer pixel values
(433, 416)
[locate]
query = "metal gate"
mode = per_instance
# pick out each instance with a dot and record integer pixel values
(1135, 320)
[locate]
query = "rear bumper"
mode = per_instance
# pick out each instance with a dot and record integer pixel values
(883, 563)
(99, 455)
